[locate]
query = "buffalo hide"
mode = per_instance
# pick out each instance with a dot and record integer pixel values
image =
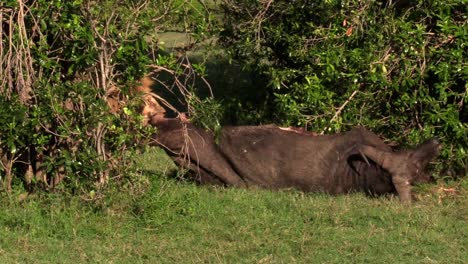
(276, 158)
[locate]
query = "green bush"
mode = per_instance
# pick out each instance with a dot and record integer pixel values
(59, 59)
(399, 69)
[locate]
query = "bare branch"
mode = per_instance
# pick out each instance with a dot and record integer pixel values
(338, 112)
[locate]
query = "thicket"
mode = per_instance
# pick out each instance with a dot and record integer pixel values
(398, 68)
(60, 61)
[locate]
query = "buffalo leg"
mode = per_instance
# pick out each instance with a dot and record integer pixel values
(369, 138)
(201, 175)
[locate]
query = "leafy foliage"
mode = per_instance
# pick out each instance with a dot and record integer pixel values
(68, 74)
(397, 68)
(60, 60)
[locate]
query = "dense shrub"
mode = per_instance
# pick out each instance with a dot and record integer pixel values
(59, 60)
(396, 67)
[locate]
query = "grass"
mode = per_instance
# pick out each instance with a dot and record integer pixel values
(170, 221)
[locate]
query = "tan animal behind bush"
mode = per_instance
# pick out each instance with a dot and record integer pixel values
(149, 105)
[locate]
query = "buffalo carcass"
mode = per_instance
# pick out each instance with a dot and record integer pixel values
(275, 158)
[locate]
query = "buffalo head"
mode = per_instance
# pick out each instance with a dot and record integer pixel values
(406, 167)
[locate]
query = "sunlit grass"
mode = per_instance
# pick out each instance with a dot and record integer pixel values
(179, 222)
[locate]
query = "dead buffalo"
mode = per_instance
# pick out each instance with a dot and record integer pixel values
(271, 157)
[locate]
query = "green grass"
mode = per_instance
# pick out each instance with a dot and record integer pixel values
(162, 220)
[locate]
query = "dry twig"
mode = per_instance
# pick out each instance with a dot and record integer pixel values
(338, 112)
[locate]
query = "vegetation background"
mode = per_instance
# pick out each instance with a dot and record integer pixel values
(79, 182)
